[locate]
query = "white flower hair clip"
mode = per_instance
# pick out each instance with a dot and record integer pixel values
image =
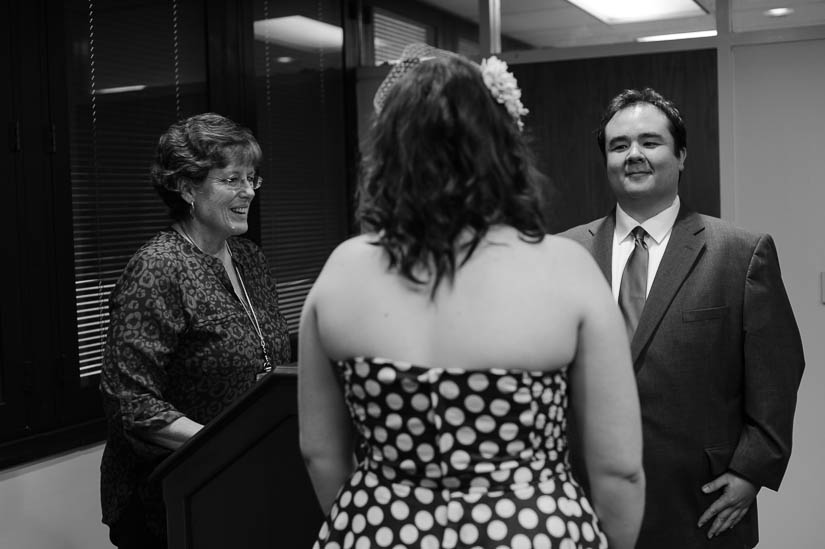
(504, 87)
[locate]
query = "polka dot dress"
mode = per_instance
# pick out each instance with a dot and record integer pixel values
(456, 458)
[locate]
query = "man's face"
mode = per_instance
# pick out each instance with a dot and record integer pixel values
(642, 164)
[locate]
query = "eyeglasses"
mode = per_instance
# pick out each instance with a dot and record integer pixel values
(237, 183)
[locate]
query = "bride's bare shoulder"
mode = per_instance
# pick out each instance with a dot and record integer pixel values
(569, 260)
(559, 247)
(352, 255)
(355, 248)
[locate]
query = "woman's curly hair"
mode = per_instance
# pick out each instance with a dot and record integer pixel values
(444, 158)
(190, 148)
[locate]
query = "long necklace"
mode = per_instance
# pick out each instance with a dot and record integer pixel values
(250, 312)
(246, 302)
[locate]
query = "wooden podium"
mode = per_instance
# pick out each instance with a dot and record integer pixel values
(241, 481)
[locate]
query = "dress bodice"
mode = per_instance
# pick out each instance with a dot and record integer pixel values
(455, 458)
(456, 429)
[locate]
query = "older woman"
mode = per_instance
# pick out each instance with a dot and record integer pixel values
(194, 319)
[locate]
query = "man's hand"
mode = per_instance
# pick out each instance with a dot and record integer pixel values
(731, 505)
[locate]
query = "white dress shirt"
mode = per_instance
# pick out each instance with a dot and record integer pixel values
(658, 230)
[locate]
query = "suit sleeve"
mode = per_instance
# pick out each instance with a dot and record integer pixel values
(774, 363)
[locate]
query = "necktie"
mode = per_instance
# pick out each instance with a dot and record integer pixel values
(634, 282)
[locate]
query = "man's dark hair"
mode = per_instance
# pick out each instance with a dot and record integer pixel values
(631, 97)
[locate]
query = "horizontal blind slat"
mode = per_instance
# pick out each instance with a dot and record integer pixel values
(393, 34)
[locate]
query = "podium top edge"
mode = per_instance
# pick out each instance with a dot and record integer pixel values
(290, 369)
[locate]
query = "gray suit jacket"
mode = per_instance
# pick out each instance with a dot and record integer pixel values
(718, 360)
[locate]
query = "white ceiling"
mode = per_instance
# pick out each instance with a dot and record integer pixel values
(558, 23)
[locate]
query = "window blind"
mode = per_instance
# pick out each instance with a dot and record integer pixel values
(300, 127)
(135, 68)
(392, 34)
(468, 48)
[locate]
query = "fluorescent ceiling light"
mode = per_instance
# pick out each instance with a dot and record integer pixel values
(778, 12)
(121, 89)
(615, 12)
(677, 36)
(299, 32)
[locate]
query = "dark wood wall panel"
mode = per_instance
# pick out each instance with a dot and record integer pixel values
(566, 100)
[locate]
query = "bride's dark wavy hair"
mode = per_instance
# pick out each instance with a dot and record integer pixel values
(444, 157)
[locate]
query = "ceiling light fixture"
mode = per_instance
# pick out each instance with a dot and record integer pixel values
(677, 36)
(299, 32)
(615, 12)
(778, 12)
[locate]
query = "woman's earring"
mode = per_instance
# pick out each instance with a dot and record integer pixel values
(192, 209)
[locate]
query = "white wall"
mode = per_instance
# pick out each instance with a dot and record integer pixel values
(53, 503)
(779, 188)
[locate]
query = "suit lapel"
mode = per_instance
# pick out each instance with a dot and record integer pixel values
(687, 240)
(602, 250)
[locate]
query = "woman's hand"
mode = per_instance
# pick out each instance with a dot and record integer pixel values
(173, 436)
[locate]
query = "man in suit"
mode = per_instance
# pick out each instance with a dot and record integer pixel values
(715, 345)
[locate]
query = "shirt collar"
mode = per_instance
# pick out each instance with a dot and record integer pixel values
(657, 226)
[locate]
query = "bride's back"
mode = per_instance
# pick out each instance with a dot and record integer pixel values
(513, 304)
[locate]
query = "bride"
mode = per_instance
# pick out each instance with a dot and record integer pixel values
(442, 346)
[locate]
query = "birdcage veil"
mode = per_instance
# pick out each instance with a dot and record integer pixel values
(412, 55)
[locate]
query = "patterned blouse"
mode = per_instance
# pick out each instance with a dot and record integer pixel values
(179, 344)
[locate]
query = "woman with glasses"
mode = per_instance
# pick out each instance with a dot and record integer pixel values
(194, 319)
